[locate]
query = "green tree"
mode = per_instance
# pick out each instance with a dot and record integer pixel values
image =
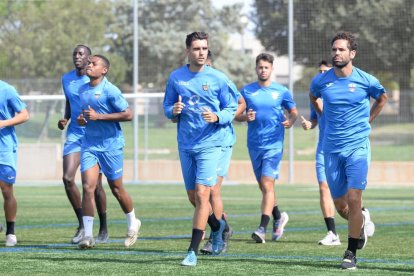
(384, 28)
(163, 26)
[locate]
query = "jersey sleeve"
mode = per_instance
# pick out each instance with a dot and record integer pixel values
(313, 114)
(287, 101)
(314, 87)
(118, 101)
(375, 89)
(14, 100)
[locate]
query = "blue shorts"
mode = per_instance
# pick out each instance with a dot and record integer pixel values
(72, 146)
(199, 166)
(320, 164)
(224, 161)
(8, 160)
(266, 162)
(347, 170)
(110, 162)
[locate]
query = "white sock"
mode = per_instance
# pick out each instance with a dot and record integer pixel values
(88, 225)
(131, 220)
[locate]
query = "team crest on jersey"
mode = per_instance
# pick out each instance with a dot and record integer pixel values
(275, 95)
(205, 86)
(352, 87)
(97, 94)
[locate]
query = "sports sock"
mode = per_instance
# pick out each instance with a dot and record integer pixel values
(330, 224)
(226, 227)
(88, 225)
(276, 213)
(264, 221)
(195, 240)
(79, 215)
(352, 245)
(131, 219)
(102, 222)
(213, 222)
(10, 227)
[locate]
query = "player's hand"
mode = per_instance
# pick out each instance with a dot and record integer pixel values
(287, 123)
(62, 123)
(81, 120)
(306, 125)
(251, 115)
(178, 106)
(209, 116)
(90, 114)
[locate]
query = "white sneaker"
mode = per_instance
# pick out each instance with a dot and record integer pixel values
(11, 240)
(132, 234)
(86, 243)
(330, 239)
(369, 224)
(80, 232)
(279, 226)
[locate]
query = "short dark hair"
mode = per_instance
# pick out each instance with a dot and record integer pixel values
(266, 57)
(195, 36)
(324, 62)
(84, 46)
(209, 55)
(104, 59)
(352, 43)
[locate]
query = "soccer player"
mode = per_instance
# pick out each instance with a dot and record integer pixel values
(266, 101)
(346, 91)
(223, 167)
(71, 82)
(103, 107)
(12, 112)
(203, 101)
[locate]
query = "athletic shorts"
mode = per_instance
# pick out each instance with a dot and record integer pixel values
(224, 161)
(71, 147)
(8, 160)
(110, 162)
(199, 166)
(347, 170)
(266, 162)
(320, 164)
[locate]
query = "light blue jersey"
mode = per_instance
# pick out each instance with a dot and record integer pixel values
(10, 104)
(206, 90)
(105, 98)
(267, 131)
(346, 108)
(71, 82)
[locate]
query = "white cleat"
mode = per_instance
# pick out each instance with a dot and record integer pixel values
(86, 243)
(11, 240)
(369, 224)
(132, 234)
(279, 226)
(330, 239)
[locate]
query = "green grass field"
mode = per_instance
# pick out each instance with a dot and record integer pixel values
(46, 223)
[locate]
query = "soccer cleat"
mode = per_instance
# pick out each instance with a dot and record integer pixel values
(226, 238)
(279, 226)
(369, 224)
(190, 259)
(349, 261)
(217, 238)
(86, 243)
(207, 248)
(259, 235)
(11, 240)
(363, 238)
(102, 237)
(132, 235)
(330, 239)
(80, 232)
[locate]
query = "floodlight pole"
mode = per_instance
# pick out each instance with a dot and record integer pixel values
(291, 55)
(135, 80)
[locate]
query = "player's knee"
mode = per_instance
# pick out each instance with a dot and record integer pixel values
(68, 180)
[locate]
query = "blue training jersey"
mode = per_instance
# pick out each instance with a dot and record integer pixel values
(267, 131)
(346, 107)
(71, 82)
(206, 90)
(10, 104)
(230, 138)
(105, 98)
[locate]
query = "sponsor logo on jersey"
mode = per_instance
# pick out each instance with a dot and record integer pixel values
(275, 95)
(205, 86)
(352, 87)
(329, 84)
(255, 93)
(183, 83)
(97, 94)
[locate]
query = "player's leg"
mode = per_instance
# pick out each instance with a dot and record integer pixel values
(10, 211)
(70, 166)
(100, 202)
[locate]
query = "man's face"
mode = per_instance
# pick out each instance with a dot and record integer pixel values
(80, 57)
(197, 53)
(340, 53)
(264, 70)
(96, 68)
(323, 68)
